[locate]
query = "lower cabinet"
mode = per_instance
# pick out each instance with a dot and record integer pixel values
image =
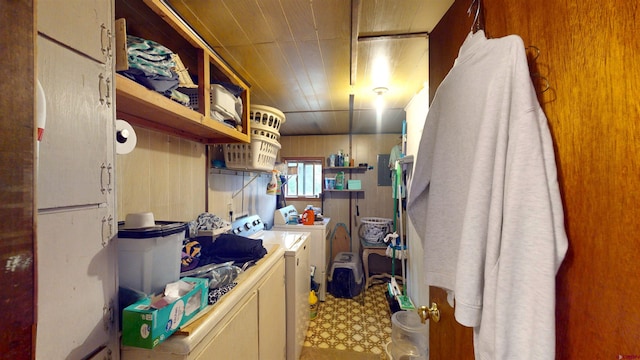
(237, 338)
(272, 315)
(254, 328)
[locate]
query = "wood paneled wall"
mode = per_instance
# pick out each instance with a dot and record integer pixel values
(589, 54)
(375, 201)
(163, 174)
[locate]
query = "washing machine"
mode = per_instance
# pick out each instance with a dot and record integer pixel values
(297, 276)
(320, 242)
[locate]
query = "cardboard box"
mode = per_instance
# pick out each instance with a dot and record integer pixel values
(152, 320)
(354, 184)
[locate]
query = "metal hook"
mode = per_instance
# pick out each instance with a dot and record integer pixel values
(536, 49)
(475, 26)
(544, 79)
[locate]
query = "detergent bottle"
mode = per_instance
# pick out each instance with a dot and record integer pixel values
(340, 180)
(313, 305)
(308, 217)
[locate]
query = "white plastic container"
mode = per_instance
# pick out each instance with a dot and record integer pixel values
(409, 336)
(149, 258)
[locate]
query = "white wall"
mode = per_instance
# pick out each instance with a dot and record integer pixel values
(416, 115)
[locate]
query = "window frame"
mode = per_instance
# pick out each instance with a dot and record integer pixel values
(305, 159)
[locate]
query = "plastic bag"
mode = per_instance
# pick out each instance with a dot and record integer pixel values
(219, 274)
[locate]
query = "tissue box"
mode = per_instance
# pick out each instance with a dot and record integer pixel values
(145, 326)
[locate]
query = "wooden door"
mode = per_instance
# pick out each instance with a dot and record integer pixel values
(587, 53)
(447, 338)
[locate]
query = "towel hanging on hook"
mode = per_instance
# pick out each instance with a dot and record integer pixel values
(478, 19)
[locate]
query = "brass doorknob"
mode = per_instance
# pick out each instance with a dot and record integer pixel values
(429, 312)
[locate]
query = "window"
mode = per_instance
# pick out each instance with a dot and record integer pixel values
(304, 177)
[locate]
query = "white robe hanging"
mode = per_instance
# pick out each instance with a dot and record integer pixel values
(486, 202)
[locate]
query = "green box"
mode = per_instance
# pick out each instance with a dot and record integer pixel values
(146, 327)
(354, 185)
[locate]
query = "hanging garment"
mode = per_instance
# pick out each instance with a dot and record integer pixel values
(394, 155)
(486, 201)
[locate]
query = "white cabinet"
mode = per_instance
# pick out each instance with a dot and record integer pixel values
(84, 25)
(76, 151)
(272, 314)
(320, 249)
(238, 337)
(76, 286)
(256, 326)
(76, 259)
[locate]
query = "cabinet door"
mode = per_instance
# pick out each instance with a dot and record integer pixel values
(76, 285)
(75, 164)
(89, 30)
(272, 314)
(237, 338)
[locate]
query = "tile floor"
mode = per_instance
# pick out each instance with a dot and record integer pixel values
(347, 324)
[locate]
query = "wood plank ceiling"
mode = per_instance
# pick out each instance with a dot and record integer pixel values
(306, 57)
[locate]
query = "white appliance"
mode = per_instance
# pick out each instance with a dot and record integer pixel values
(320, 243)
(297, 276)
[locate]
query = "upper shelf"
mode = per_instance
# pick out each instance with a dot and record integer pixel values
(147, 108)
(346, 168)
(154, 20)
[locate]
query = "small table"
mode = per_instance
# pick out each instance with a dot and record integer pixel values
(368, 249)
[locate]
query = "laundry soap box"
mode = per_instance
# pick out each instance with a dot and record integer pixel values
(354, 184)
(150, 321)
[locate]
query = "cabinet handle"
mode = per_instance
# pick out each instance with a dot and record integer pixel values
(103, 169)
(107, 230)
(104, 88)
(107, 316)
(110, 232)
(110, 178)
(105, 39)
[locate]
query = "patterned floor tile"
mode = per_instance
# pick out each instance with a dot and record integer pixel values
(348, 324)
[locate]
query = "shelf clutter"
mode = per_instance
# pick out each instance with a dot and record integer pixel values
(181, 111)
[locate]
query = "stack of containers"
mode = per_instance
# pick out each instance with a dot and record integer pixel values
(261, 153)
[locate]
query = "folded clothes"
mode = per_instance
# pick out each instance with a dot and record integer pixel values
(149, 56)
(162, 84)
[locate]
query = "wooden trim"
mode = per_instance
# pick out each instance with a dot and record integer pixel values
(18, 172)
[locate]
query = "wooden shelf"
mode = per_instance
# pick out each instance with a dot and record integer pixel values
(345, 168)
(141, 106)
(154, 20)
(345, 191)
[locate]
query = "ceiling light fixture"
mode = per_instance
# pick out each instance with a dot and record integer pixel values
(380, 91)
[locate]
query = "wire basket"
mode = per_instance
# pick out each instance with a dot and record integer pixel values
(374, 229)
(260, 154)
(266, 118)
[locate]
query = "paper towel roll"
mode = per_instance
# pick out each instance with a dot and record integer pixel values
(126, 138)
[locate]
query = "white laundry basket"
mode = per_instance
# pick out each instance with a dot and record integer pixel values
(374, 229)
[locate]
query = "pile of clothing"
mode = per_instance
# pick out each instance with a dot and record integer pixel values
(152, 65)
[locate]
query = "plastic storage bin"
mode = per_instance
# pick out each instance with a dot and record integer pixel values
(149, 258)
(346, 277)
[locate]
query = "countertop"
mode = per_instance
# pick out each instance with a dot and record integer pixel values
(191, 334)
